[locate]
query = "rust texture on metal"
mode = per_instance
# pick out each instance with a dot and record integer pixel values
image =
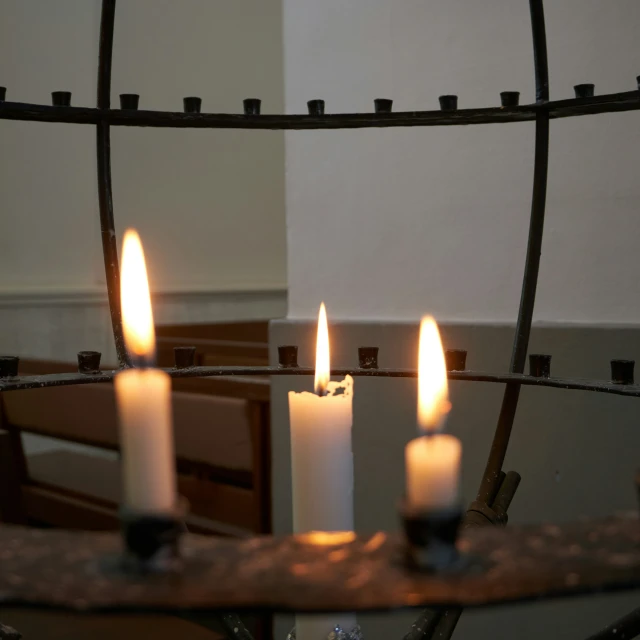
(80, 571)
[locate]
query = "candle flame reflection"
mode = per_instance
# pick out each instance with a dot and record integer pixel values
(137, 316)
(323, 365)
(328, 538)
(433, 393)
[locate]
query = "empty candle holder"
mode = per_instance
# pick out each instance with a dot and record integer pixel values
(622, 371)
(129, 101)
(288, 355)
(184, 357)
(315, 107)
(152, 540)
(455, 359)
(431, 537)
(89, 361)
(3, 94)
(61, 98)
(586, 90)
(448, 102)
(509, 98)
(383, 105)
(9, 366)
(192, 104)
(368, 357)
(251, 106)
(539, 365)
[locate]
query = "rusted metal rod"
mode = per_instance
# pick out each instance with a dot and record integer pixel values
(624, 628)
(610, 103)
(105, 198)
(532, 261)
(64, 379)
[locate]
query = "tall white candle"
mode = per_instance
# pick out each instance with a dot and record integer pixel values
(321, 459)
(143, 397)
(432, 460)
(146, 440)
(322, 466)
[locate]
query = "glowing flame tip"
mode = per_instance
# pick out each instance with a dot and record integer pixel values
(137, 316)
(433, 392)
(323, 365)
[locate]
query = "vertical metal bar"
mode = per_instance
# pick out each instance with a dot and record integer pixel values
(500, 442)
(540, 60)
(105, 200)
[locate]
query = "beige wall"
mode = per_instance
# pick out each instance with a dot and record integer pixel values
(209, 204)
(385, 224)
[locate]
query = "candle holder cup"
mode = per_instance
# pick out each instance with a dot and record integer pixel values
(152, 540)
(431, 538)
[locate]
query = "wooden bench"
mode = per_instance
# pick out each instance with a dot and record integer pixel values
(232, 343)
(221, 436)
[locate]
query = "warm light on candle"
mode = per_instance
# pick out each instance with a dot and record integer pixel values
(328, 538)
(137, 316)
(433, 393)
(323, 364)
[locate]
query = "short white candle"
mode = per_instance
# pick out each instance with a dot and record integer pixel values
(433, 471)
(143, 397)
(432, 460)
(322, 466)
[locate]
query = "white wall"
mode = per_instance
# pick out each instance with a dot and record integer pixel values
(209, 204)
(389, 223)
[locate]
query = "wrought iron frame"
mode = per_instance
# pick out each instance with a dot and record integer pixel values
(490, 506)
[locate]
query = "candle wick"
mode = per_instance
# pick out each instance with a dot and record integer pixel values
(321, 390)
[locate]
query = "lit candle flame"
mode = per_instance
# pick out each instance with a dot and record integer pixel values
(433, 393)
(323, 365)
(137, 316)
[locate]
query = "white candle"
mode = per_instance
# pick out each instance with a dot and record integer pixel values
(146, 439)
(143, 397)
(433, 471)
(433, 460)
(321, 459)
(322, 466)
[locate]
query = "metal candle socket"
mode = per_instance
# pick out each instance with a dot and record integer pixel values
(152, 540)
(431, 537)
